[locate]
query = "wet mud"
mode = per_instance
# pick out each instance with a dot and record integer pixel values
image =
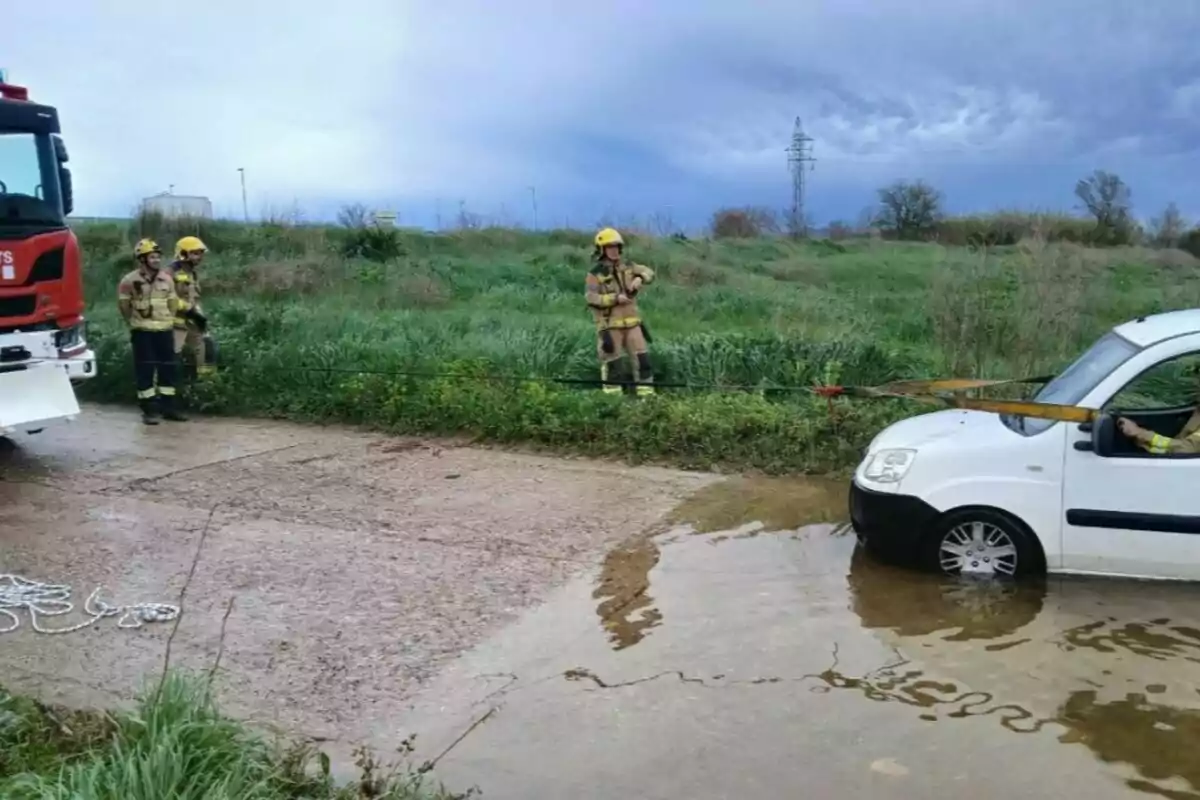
(358, 565)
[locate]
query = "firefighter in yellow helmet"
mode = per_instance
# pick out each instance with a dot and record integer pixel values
(147, 301)
(190, 323)
(613, 285)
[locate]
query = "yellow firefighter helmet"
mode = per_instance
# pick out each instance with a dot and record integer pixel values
(145, 247)
(189, 244)
(609, 236)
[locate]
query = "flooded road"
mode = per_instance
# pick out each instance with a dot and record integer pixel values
(701, 638)
(750, 652)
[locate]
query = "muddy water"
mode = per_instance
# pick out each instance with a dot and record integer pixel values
(737, 508)
(753, 648)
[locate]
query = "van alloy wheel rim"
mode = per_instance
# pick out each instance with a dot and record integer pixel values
(978, 548)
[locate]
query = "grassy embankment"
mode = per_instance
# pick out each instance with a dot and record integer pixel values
(295, 316)
(174, 744)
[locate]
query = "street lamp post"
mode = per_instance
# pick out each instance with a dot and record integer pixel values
(533, 200)
(245, 207)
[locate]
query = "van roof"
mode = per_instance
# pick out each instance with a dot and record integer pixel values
(1148, 330)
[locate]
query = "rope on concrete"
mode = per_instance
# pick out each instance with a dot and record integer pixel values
(39, 599)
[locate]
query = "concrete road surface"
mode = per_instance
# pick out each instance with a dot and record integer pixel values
(562, 628)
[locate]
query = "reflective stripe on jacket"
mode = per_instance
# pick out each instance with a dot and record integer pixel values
(1187, 441)
(604, 283)
(148, 304)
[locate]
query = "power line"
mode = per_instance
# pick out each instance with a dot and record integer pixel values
(800, 161)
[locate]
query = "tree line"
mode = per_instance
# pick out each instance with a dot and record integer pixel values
(914, 211)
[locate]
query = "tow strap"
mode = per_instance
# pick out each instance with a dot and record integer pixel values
(946, 392)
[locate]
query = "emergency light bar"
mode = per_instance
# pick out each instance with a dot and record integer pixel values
(9, 91)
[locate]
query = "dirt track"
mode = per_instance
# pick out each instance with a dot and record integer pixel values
(357, 564)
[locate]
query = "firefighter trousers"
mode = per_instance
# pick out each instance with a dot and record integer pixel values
(154, 357)
(189, 344)
(614, 343)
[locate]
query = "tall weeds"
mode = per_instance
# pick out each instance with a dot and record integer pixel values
(301, 324)
(174, 744)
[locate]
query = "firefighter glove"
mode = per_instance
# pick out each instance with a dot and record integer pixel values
(198, 318)
(606, 343)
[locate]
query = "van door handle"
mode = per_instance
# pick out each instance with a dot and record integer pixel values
(1085, 427)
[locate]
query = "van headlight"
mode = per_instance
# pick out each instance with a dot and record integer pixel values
(889, 466)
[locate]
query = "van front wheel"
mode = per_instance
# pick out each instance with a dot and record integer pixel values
(981, 542)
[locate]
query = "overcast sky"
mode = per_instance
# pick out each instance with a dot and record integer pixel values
(621, 107)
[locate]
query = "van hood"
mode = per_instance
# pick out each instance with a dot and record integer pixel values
(920, 431)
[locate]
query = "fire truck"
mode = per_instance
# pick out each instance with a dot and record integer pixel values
(44, 351)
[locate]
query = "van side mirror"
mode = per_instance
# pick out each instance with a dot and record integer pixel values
(1104, 435)
(68, 192)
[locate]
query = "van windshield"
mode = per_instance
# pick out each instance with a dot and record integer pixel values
(1074, 383)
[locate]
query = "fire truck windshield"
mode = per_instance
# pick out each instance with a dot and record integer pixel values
(29, 189)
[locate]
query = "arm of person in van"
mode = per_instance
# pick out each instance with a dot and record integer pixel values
(1186, 442)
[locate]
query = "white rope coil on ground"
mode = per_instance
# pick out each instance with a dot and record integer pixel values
(54, 600)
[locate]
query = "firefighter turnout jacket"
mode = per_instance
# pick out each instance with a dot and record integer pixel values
(187, 288)
(148, 303)
(1186, 441)
(605, 282)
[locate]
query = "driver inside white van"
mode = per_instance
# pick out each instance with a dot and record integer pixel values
(1186, 441)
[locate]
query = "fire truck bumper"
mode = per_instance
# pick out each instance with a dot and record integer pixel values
(32, 397)
(82, 366)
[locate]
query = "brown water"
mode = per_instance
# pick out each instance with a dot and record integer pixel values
(755, 645)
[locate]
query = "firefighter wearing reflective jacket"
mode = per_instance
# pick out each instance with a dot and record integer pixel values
(1187, 441)
(147, 301)
(190, 323)
(612, 289)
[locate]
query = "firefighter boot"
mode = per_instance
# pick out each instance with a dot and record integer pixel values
(149, 412)
(606, 374)
(645, 376)
(169, 409)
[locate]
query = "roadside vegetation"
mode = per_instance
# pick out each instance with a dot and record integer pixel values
(457, 332)
(175, 744)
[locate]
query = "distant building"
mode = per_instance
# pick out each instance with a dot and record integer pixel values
(178, 205)
(384, 219)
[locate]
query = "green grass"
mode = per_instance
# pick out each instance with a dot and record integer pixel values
(174, 744)
(296, 314)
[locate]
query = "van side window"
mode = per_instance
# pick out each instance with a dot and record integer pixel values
(1168, 385)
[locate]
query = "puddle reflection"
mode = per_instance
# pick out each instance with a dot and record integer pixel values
(1108, 665)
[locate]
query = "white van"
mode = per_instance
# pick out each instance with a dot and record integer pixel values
(976, 492)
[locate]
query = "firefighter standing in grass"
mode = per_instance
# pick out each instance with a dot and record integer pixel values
(147, 301)
(612, 288)
(190, 323)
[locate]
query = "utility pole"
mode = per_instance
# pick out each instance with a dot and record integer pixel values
(245, 206)
(800, 161)
(533, 199)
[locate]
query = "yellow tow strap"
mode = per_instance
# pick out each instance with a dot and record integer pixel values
(944, 391)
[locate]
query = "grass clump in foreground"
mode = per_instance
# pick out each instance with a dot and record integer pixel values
(316, 326)
(174, 744)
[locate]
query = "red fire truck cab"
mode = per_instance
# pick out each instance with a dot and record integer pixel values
(43, 341)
